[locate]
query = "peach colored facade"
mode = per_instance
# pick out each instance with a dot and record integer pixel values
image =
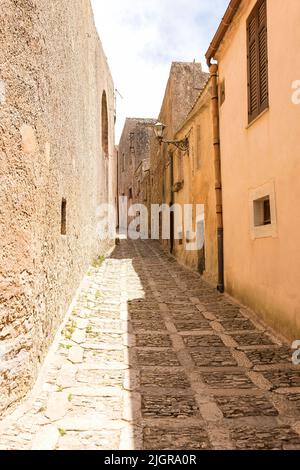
(262, 264)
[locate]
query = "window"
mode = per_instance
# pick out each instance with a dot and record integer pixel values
(131, 137)
(104, 125)
(123, 162)
(63, 227)
(262, 204)
(262, 211)
(257, 44)
(130, 193)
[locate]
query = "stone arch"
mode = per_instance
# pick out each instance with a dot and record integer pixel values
(104, 124)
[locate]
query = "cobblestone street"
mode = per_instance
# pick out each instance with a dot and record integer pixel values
(152, 357)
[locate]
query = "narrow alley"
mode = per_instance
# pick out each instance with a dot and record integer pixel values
(152, 357)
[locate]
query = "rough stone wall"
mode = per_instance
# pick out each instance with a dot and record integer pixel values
(53, 74)
(136, 145)
(185, 83)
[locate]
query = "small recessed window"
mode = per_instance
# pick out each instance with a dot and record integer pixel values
(262, 211)
(63, 229)
(263, 216)
(131, 137)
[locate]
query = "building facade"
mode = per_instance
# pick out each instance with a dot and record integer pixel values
(56, 169)
(186, 81)
(136, 145)
(259, 129)
(194, 184)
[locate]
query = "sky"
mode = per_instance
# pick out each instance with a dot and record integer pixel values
(141, 38)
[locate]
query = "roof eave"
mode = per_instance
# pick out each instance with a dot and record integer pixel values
(222, 29)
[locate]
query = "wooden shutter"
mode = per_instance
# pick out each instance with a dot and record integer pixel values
(257, 42)
(263, 56)
(252, 69)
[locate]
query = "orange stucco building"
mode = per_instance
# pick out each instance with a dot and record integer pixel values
(260, 148)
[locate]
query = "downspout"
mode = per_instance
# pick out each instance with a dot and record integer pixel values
(213, 68)
(118, 191)
(172, 201)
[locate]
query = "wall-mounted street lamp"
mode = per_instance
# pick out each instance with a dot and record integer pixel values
(159, 129)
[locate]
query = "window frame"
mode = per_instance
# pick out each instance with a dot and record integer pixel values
(261, 107)
(258, 195)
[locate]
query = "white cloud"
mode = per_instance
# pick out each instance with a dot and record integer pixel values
(142, 37)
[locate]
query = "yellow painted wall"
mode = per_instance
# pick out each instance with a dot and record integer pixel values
(199, 182)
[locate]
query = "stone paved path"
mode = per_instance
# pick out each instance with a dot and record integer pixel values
(152, 357)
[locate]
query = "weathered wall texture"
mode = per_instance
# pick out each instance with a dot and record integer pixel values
(194, 176)
(53, 74)
(263, 272)
(186, 80)
(136, 145)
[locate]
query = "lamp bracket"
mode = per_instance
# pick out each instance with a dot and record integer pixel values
(182, 145)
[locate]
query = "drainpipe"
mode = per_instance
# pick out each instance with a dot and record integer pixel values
(213, 68)
(172, 201)
(118, 191)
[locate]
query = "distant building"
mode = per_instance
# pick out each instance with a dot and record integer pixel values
(186, 81)
(194, 183)
(142, 188)
(136, 145)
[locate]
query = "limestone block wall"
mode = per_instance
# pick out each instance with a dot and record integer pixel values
(53, 73)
